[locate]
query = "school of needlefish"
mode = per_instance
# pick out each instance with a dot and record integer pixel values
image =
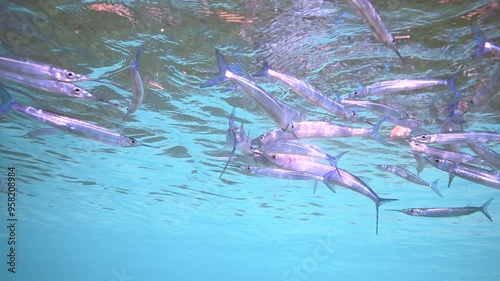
(284, 152)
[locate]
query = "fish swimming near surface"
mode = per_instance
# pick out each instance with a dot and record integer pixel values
(51, 86)
(40, 70)
(269, 104)
(446, 212)
(467, 172)
(285, 174)
(312, 94)
(320, 129)
(402, 85)
(367, 12)
(409, 176)
(137, 86)
(458, 137)
(68, 124)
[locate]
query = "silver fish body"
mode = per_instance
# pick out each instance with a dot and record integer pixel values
(40, 70)
(319, 129)
(467, 172)
(285, 174)
(137, 85)
(377, 108)
(312, 94)
(409, 176)
(446, 212)
(458, 137)
(78, 127)
(269, 104)
(399, 85)
(457, 157)
(367, 12)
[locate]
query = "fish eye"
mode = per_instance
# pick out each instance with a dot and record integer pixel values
(77, 90)
(248, 168)
(355, 93)
(275, 157)
(132, 141)
(393, 40)
(353, 113)
(261, 137)
(70, 74)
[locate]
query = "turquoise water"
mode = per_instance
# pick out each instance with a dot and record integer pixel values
(90, 211)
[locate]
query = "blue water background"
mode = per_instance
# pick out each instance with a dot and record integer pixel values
(89, 211)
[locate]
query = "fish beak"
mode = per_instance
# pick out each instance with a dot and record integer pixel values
(393, 210)
(143, 144)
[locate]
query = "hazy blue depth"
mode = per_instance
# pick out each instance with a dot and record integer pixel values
(89, 211)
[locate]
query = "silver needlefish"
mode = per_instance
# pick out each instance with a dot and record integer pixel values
(41, 70)
(312, 94)
(285, 174)
(467, 172)
(268, 103)
(379, 109)
(367, 12)
(293, 147)
(410, 123)
(137, 86)
(53, 87)
(458, 137)
(333, 175)
(68, 124)
(457, 157)
(484, 45)
(401, 85)
(446, 212)
(409, 176)
(320, 129)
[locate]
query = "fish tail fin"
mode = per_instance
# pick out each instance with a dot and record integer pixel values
(136, 59)
(450, 179)
(334, 161)
(6, 99)
(480, 40)
(330, 186)
(375, 133)
(228, 161)
(221, 76)
(433, 186)
(451, 84)
(264, 71)
(485, 210)
(381, 201)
